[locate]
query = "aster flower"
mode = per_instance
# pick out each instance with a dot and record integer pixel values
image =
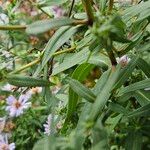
(58, 11)
(49, 123)
(47, 126)
(4, 145)
(8, 87)
(124, 60)
(16, 107)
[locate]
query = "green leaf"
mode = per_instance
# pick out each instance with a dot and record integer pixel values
(117, 108)
(142, 111)
(101, 82)
(112, 122)
(79, 74)
(104, 95)
(126, 72)
(77, 58)
(80, 16)
(142, 96)
(81, 90)
(45, 25)
(59, 38)
(144, 66)
(51, 2)
(81, 57)
(46, 144)
(135, 86)
(82, 71)
(103, 6)
(134, 141)
(133, 11)
(25, 81)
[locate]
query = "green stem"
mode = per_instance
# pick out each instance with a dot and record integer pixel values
(112, 58)
(23, 27)
(88, 8)
(80, 22)
(26, 66)
(70, 11)
(111, 2)
(39, 59)
(109, 49)
(13, 27)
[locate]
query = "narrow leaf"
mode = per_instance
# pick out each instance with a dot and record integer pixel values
(79, 74)
(117, 108)
(81, 90)
(104, 95)
(135, 86)
(134, 141)
(143, 97)
(142, 111)
(144, 66)
(24, 81)
(45, 25)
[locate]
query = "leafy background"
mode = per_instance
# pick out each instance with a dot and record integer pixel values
(100, 103)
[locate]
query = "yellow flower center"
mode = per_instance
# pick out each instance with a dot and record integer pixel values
(17, 104)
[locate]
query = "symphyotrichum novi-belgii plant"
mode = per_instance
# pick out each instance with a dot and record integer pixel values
(99, 51)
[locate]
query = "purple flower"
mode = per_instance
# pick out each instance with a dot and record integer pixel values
(4, 144)
(58, 11)
(124, 60)
(47, 126)
(15, 107)
(8, 87)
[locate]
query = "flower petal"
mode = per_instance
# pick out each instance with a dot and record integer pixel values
(10, 100)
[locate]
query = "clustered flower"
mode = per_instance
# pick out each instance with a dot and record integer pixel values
(4, 145)
(123, 61)
(47, 126)
(16, 107)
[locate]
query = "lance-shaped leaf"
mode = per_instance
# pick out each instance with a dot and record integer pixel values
(81, 57)
(142, 111)
(142, 96)
(25, 81)
(46, 3)
(72, 61)
(117, 108)
(45, 25)
(103, 96)
(142, 8)
(134, 141)
(101, 82)
(135, 86)
(144, 66)
(61, 36)
(81, 90)
(79, 74)
(126, 72)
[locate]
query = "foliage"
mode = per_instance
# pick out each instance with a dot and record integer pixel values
(91, 59)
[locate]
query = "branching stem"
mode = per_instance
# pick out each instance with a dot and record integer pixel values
(88, 8)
